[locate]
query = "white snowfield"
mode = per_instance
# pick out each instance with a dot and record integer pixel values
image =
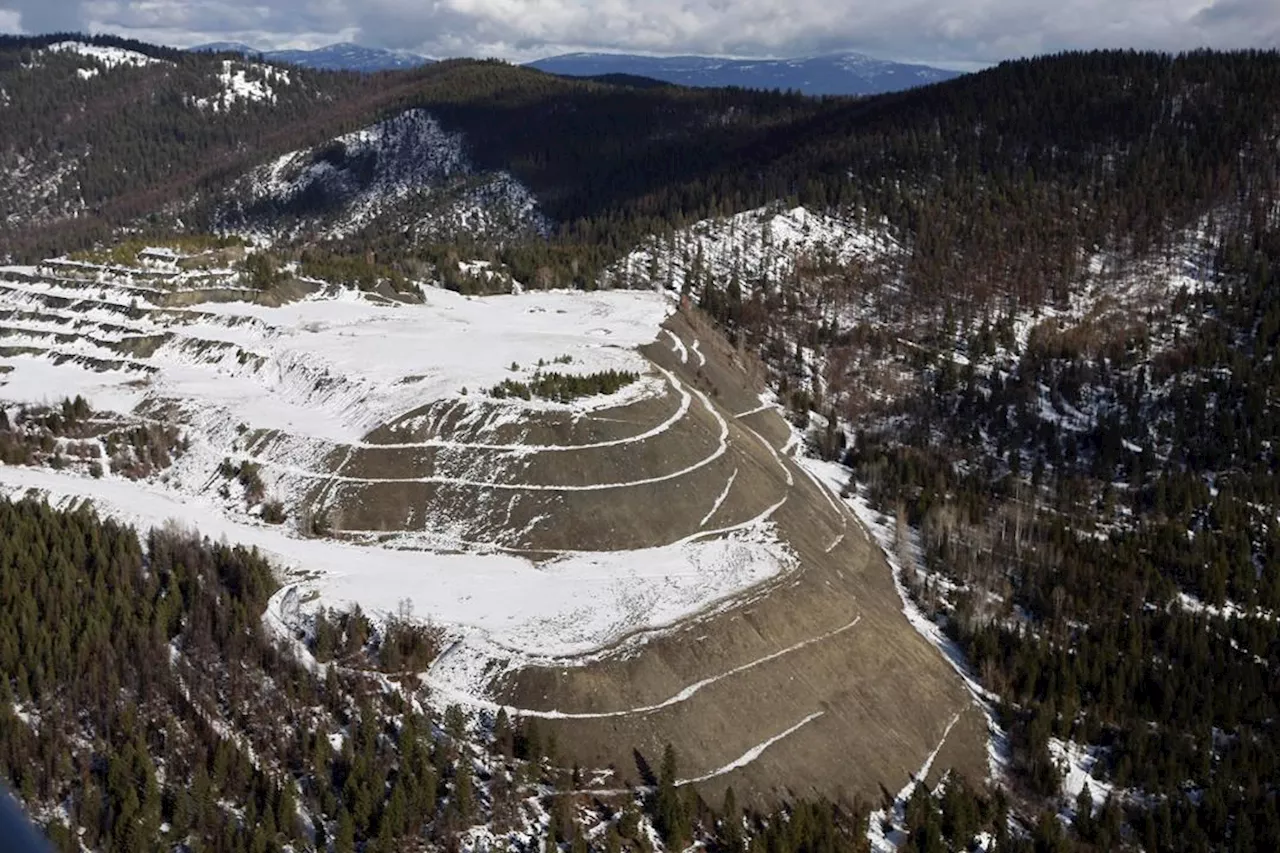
(331, 367)
(244, 81)
(108, 57)
(389, 360)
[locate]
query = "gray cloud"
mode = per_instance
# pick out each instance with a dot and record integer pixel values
(953, 32)
(35, 16)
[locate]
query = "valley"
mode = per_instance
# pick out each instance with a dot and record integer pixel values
(467, 457)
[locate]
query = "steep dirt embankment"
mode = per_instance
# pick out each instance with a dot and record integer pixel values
(814, 684)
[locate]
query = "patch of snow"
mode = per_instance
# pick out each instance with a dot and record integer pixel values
(677, 346)
(1078, 763)
(760, 248)
(763, 407)
(719, 498)
(753, 753)
(27, 716)
(371, 172)
(1229, 609)
(107, 57)
(247, 82)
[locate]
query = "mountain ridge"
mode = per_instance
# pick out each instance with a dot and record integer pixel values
(834, 73)
(340, 56)
(837, 73)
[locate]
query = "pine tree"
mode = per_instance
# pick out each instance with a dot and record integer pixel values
(503, 736)
(1084, 813)
(730, 822)
(670, 817)
(344, 837)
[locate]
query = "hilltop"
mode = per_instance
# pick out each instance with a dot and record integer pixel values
(344, 56)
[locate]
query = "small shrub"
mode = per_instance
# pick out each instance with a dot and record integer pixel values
(251, 479)
(564, 387)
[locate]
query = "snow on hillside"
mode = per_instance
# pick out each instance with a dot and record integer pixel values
(1078, 763)
(760, 247)
(248, 82)
(107, 57)
(360, 176)
(330, 367)
(885, 828)
(35, 187)
(495, 604)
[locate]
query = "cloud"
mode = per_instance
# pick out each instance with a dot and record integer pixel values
(1242, 17)
(35, 16)
(954, 32)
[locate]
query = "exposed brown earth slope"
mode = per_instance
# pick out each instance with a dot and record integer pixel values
(827, 644)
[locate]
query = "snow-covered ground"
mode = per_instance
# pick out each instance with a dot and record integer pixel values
(45, 382)
(1228, 610)
(1078, 763)
(331, 367)
(107, 57)
(756, 246)
(244, 81)
(318, 375)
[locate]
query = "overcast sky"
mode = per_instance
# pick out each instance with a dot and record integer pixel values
(955, 33)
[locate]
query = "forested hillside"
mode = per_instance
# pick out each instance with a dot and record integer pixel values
(133, 142)
(1096, 527)
(1058, 389)
(151, 708)
(997, 179)
(148, 707)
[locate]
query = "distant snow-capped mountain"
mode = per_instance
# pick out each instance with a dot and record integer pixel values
(830, 74)
(334, 57)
